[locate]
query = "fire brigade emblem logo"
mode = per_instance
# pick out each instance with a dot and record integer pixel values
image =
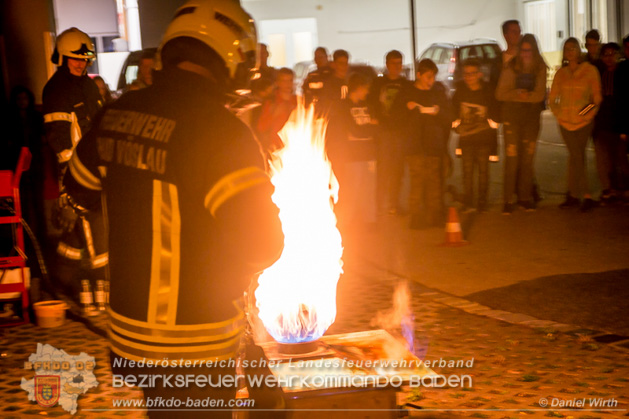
(47, 389)
(60, 378)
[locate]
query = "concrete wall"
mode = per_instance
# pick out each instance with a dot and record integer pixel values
(26, 44)
(155, 15)
(370, 28)
(95, 17)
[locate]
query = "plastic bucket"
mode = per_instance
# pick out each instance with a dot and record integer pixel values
(50, 313)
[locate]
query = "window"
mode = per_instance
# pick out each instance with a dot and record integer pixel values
(290, 40)
(540, 20)
(490, 52)
(471, 52)
(428, 53)
(586, 15)
(436, 56)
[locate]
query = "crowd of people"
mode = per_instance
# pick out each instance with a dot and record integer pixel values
(378, 128)
(187, 214)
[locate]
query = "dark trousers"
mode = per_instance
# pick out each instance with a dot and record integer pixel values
(472, 157)
(611, 160)
(521, 129)
(577, 170)
(390, 162)
(426, 190)
(82, 254)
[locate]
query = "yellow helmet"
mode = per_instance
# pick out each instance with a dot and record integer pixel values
(73, 43)
(222, 25)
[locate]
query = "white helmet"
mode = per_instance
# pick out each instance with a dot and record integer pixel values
(222, 25)
(73, 43)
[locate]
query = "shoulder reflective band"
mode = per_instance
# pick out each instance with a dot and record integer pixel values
(82, 174)
(232, 184)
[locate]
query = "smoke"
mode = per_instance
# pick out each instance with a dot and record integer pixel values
(400, 319)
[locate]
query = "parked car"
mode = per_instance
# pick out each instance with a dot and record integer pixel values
(449, 56)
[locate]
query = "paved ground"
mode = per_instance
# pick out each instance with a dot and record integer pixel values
(537, 300)
(518, 361)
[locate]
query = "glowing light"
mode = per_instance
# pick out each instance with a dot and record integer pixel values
(296, 296)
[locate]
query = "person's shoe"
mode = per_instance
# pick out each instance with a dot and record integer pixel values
(570, 202)
(467, 209)
(508, 209)
(587, 205)
(529, 206)
(537, 196)
(607, 198)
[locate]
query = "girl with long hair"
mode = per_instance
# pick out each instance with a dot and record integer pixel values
(574, 99)
(522, 89)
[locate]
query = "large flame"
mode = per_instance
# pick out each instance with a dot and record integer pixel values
(296, 297)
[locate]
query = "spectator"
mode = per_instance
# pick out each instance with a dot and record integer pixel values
(335, 86)
(621, 89)
(260, 92)
(521, 88)
(593, 46)
(276, 111)
(314, 81)
(145, 70)
(351, 146)
(512, 34)
(265, 70)
(263, 84)
(574, 99)
(611, 151)
(474, 109)
(381, 97)
(103, 89)
(425, 107)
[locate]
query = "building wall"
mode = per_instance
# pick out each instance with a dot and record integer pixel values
(96, 17)
(155, 15)
(370, 28)
(26, 45)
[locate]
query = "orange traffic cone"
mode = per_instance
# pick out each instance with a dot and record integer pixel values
(454, 233)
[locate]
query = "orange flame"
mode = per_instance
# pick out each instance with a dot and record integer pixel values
(296, 297)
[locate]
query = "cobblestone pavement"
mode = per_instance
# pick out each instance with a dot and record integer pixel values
(519, 362)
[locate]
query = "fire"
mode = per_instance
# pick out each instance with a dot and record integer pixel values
(296, 297)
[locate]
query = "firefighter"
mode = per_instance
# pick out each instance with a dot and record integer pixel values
(191, 218)
(70, 101)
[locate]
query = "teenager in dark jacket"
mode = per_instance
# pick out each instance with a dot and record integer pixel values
(474, 109)
(335, 85)
(351, 147)
(425, 107)
(611, 151)
(382, 95)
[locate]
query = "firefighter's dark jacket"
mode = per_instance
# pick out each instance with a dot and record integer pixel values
(69, 105)
(190, 216)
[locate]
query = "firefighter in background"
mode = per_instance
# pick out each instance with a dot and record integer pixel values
(191, 218)
(70, 101)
